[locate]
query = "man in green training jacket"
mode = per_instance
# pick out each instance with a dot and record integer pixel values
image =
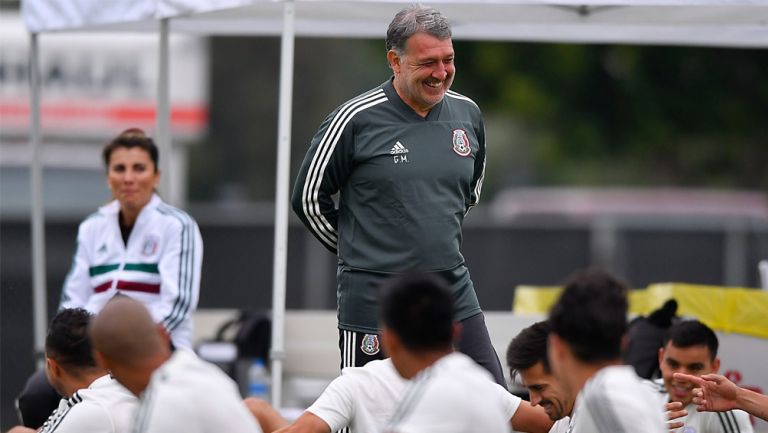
(407, 159)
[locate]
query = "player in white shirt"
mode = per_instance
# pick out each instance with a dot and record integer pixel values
(589, 321)
(103, 407)
(691, 348)
(527, 358)
(448, 391)
(364, 398)
(615, 400)
(94, 402)
(454, 395)
(179, 391)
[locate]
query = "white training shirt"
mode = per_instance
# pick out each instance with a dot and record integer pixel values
(189, 395)
(454, 395)
(362, 398)
(732, 421)
(561, 426)
(615, 400)
(159, 267)
(104, 407)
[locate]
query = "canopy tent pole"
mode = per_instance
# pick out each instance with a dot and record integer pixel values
(163, 115)
(39, 292)
(280, 254)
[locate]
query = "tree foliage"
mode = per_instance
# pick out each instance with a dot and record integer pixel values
(626, 115)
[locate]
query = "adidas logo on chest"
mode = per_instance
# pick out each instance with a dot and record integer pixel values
(399, 153)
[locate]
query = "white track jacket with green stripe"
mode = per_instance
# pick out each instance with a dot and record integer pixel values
(159, 266)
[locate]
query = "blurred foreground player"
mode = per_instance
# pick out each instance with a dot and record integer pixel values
(589, 321)
(179, 392)
(448, 391)
(94, 402)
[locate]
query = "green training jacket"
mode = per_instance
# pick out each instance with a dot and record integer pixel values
(404, 185)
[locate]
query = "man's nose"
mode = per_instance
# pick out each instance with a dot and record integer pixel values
(440, 72)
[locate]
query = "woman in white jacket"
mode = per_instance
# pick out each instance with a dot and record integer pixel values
(136, 245)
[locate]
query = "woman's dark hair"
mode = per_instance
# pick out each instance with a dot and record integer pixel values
(132, 137)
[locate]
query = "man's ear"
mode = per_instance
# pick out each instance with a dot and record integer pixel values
(164, 335)
(389, 342)
(624, 342)
(456, 331)
(100, 359)
(555, 347)
(394, 61)
(53, 366)
(661, 355)
(716, 365)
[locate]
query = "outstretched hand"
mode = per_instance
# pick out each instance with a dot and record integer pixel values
(713, 393)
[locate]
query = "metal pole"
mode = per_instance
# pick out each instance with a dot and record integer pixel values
(163, 116)
(39, 297)
(281, 201)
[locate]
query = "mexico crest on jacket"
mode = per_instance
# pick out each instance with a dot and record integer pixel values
(460, 142)
(151, 243)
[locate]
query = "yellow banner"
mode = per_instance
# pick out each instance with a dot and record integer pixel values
(726, 309)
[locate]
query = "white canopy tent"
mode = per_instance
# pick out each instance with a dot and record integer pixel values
(725, 23)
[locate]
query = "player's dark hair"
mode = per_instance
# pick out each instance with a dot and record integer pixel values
(67, 341)
(416, 19)
(132, 137)
(529, 347)
(591, 316)
(418, 308)
(689, 333)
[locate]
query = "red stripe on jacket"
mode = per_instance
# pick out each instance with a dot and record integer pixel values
(129, 286)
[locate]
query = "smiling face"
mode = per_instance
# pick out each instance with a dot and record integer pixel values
(132, 177)
(424, 72)
(694, 360)
(545, 391)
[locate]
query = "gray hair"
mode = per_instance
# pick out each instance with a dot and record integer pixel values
(416, 19)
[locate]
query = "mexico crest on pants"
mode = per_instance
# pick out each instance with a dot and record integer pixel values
(370, 344)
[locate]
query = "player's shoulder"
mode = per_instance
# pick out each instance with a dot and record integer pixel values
(377, 371)
(731, 421)
(186, 371)
(463, 107)
(85, 414)
(108, 391)
(171, 213)
(460, 98)
(94, 221)
(361, 102)
(621, 383)
(656, 386)
(561, 426)
(459, 373)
